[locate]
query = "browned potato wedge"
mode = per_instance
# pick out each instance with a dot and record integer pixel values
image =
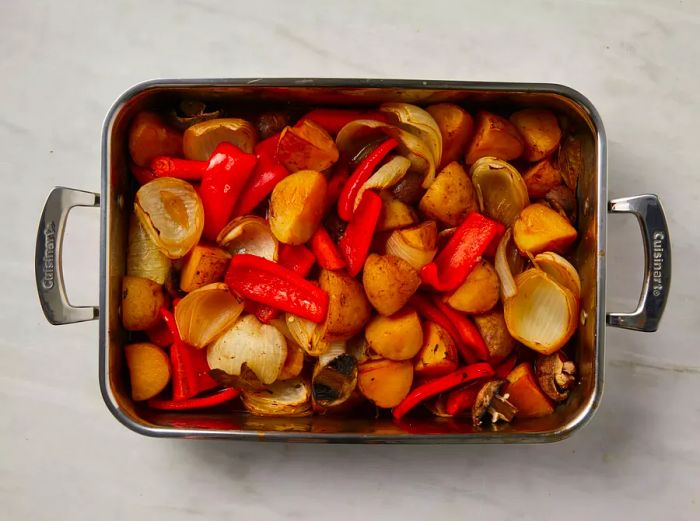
(141, 302)
(395, 214)
(348, 308)
(438, 354)
(398, 337)
(203, 265)
(538, 228)
(492, 327)
(479, 292)
(385, 382)
(149, 370)
(296, 206)
(540, 130)
(306, 146)
(495, 137)
(541, 178)
(389, 282)
(456, 126)
(450, 197)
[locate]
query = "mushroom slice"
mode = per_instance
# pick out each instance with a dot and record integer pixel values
(556, 375)
(492, 406)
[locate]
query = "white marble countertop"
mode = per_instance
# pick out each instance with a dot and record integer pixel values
(62, 455)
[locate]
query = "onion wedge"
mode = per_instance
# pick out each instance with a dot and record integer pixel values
(500, 189)
(388, 175)
(416, 245)
(542, 314)
(418, 122)
(561, 270)
(334, 377)
(249, 234)
(204, 313)
(143, 258)
(200, 140)
(286, 398)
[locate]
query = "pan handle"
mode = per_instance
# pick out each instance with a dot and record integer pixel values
(48, 261)
(657, 262)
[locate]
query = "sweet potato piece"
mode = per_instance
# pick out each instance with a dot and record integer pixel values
(150, 137)
(496, 137)
(438, 354)
(297, 204)
(541, 178)
(306, 146)
(385, 382)
(398, 337)
(479, 292)
(524, 393)
(492, 328)
(203, 265)
(348, 308)
(456, 126)
(149, 370)
(540, 130)
(451, 196)
(539, 228)
(389, 282)
(141, 302)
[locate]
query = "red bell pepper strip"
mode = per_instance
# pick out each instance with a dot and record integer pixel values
(346, 201)
(190, 170)
(267, 282)
(142, 174)
(268, 172)
(227, 173)
(355, 242)
(430, 312)
(506, 366)
(462, 399)
(297, 258)
(490, 251)
(440, 385)
(160, 334)
(332, 120)
(471, 339)
(190, 368)
(217, 398)
(339, 177)
(464, 249)
(326, 251)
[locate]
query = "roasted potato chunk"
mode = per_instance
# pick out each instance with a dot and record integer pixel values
(150, 137)
(493, 329)
(306, 146)
(385, 382)
(348, 308)
(541, 178)
(540, 131)
(438, 354)
(141, 302)
(525, 394)
(451, 196)
(389, 282)
(203, 265)
(495, 137)
(456, 126)
(395, 214)
(149, 370)
(398, 337)
(296, 206)
(479, 292)
(539, 228)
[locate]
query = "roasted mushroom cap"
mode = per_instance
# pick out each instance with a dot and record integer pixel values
(556, 375)
(562, 199)
(334, 378)
(189, 112)
(491, 405)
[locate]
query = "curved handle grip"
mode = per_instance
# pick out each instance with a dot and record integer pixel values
(657, 262)
(49, 246)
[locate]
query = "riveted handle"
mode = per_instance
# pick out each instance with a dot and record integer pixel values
(657, 262)
(48, 262)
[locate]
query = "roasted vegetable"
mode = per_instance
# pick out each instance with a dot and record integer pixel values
(389, 282)
(306, 146)
(296, 206)
(541, 178)
(416, 245)
(203, 265)
(540, 131)
(501, 192)
(479, 292)
(149, 370)
(556, 375)
(451, 196)
(524, 393)
(539, 229)
(348, 308)
(492, 328)
(456, 126)
(334, 377)
(249, 234)
(141, 302)
(385, 382)
(143, 258)
(286, 398)
(201, 139)
(150, 137)
(396, 337)
(438, 354)
(395, 214)
(494, 137)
